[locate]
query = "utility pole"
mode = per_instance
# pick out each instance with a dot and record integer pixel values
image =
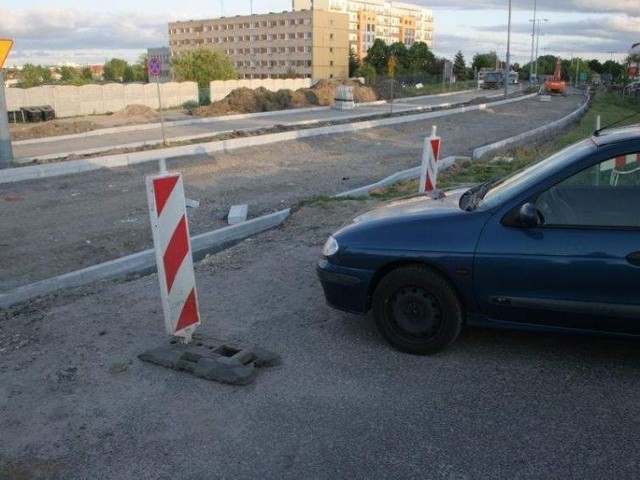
(533, 37)
(6, 152)
(507, 67)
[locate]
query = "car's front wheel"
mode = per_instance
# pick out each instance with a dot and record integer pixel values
(417, 310)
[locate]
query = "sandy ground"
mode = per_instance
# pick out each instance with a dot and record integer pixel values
(62, 224)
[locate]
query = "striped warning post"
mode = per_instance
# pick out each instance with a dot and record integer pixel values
(429, 172)
(165, 193)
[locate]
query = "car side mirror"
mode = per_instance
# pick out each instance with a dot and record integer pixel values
(529, 215)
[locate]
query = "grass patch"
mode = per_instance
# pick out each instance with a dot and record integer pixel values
(323, 199)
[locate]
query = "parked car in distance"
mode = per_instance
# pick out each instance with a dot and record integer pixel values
(553, 247)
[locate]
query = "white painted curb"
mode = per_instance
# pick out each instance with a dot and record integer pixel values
(141, 262)
(410, 174)
(533, 134)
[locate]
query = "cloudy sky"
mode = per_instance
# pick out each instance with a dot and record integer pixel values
(49, 32)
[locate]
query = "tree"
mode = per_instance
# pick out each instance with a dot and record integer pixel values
(354, 63)
(203, 65)
(459, 67)
(595, 66)
(421, 59)
(68, 75)
(378, 56)
(31, 75)
(485, 60)
(399, 51)
(366, 71)
(87, 75)
(114, 69)
(128, 75)
(141, 70)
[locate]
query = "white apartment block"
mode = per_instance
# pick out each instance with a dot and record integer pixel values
(372, 19)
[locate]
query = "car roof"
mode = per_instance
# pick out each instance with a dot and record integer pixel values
(616, 135)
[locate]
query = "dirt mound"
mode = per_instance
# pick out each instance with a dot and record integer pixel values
(478, 100)
(51, 129)
(246, 100)
(135, 112)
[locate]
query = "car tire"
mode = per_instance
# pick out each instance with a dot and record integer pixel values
(417, 310)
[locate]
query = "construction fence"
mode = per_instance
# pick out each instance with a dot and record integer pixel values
(70, 101)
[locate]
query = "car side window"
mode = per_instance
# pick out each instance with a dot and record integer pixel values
(604, 195)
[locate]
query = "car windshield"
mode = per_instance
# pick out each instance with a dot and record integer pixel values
(495, 192)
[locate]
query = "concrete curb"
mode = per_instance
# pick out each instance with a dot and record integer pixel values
(533, 134)
(410, 174)
(111, 161)
(141, 262)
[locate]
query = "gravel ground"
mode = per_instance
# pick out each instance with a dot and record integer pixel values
(76, 403)
(63, 224)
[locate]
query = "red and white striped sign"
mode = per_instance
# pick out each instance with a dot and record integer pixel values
(170, 229)
(429, 172)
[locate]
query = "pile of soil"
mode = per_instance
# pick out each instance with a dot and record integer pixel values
(246, 100)
(51, 129)
(134, 114)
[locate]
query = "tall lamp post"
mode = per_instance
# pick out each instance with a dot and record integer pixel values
(538, 41)
(533, 37)
(508, 65)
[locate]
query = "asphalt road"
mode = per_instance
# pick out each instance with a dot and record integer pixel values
(107, 139)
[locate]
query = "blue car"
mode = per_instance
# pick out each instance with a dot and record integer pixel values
(553, 247)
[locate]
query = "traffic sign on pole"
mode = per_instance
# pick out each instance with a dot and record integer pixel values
(5, 47)
(155, 66)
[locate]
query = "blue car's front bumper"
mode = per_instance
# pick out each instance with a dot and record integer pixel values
(344, 288)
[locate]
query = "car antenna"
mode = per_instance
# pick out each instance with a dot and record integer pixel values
(597, 132)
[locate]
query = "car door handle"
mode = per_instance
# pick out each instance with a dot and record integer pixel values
(634, 258)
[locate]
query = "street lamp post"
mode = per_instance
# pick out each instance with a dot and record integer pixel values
(508, 64)
(538, 42)
(533, 37)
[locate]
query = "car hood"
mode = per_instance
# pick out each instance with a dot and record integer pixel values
(417, 205)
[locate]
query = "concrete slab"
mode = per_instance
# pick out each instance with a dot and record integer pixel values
(212, 359)
(238, 214)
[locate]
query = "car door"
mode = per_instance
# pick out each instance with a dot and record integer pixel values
(578, 268)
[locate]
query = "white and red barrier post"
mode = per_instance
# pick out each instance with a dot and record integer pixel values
(429, 172)
(170, 228)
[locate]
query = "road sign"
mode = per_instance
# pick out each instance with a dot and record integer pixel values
(155, 66)
(5, 46)
(391, 66)
(429, 171)
(165, 193)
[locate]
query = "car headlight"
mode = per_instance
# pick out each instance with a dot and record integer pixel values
(330, 247)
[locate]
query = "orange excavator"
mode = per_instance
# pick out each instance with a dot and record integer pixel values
(556, 84)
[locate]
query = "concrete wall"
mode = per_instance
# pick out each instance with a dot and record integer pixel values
(69, 101)
(222, 88)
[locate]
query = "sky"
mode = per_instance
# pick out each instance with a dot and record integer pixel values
(51, 32)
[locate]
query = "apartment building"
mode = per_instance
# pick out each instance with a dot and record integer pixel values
(371, 19)
(310, 43)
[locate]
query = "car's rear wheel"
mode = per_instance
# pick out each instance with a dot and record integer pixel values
(417, 310)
